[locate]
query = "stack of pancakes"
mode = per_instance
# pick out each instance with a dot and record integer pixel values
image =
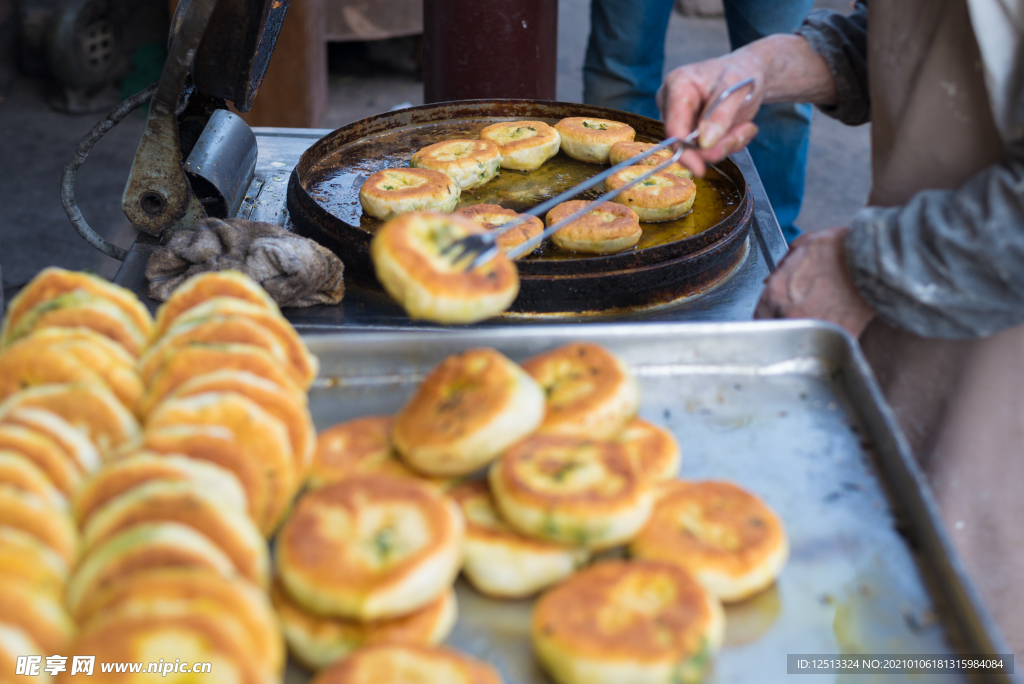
(143, 466)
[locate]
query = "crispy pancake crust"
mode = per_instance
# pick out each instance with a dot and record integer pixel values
(655, 449)
(491, 216)
(591, 393)
(408, 261)
(524, 145)
(305, 365)
(44, 453)
(217, 445)
(53, 282)
(22, 473)
(263, 437)
(192, 589)
(182, 502)
(24, 557)
(370, 547)
(181, 365)
(392, 192)
(727, 538)
(501, 562)
(662, 196)
(205, 286)
(143, 547)
(622, 151)
(292, 414)
(605, 230)
(38, 613)
(620, 621)
(362, 447)
(590, 140)
(469, 163)
(139, 468)
(30, 514)
(469, 409)
(317, 641)
(80, 309)
(88, 407)
(76, 445)
(420, 664)
(571, 491)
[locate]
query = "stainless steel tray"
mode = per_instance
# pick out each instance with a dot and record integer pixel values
(787, 409)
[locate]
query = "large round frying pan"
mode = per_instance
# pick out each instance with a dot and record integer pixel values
(674, 259)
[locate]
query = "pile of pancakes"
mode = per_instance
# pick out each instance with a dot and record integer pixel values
(409, 251)
(143, 465)
(554, 474)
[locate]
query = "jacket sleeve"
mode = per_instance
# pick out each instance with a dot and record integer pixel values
(950, 263)
(842, 41)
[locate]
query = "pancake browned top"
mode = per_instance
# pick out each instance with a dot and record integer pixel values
(365, 532)
(513, 136)
(657, 191)
(636, 611)
(454, 154)
(491, 216)
(205, 286)
(654, 448)
(405, 664)
(407, 184)
(483, 521)
(609, 221)
(591, 130)
(710, 525)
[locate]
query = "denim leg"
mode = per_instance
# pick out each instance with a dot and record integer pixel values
(780, 149)
(626, 54)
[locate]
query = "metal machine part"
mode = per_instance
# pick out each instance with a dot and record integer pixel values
(222, 163)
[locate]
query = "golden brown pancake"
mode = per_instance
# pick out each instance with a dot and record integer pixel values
(606, 229)
(180, 365)
(25, 558)
(53, 282)
(622, 151)
(501, 562)
(194, 590)
(183, 502)
(370, 547)
(88, 407)
(283, 406)
(662, 196)
(20, 472)
(38, 613)
(317, 641)
(44, 454)
(205, 286)
(419, 664)
(393, 192)
(524, 145)
(305, 366)
(81, 309)
(491, 217)
(28, 513)
(178, 639)
(75, 444)
(590, 140)
(591, 393)
(361, 447)
(144, 547)
(262, 436)
(408, 261)
(572, 491)
(621, 621)
(654, 448)
(727, 538)
(469, 163)
(217, 445)
(469, 409)
(138, 468)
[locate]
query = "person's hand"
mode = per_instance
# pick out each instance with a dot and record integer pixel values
(689, 90)
(814, 282)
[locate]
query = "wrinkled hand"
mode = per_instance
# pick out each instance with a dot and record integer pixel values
(814, 282)
(688, 90)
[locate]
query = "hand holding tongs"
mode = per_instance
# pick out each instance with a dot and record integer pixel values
(483, 247)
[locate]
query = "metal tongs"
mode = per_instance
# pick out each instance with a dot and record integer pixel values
(481, 248)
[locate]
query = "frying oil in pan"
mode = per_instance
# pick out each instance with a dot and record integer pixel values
(335, 184)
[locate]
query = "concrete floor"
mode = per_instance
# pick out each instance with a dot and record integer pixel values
(35, 232)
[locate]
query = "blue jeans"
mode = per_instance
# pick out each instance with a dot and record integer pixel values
(626, 58)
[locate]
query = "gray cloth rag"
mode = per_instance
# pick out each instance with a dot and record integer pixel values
(294, 270)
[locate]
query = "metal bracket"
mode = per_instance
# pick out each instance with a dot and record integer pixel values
(222, 164)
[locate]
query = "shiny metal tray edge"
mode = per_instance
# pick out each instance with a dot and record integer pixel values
(751, 349)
